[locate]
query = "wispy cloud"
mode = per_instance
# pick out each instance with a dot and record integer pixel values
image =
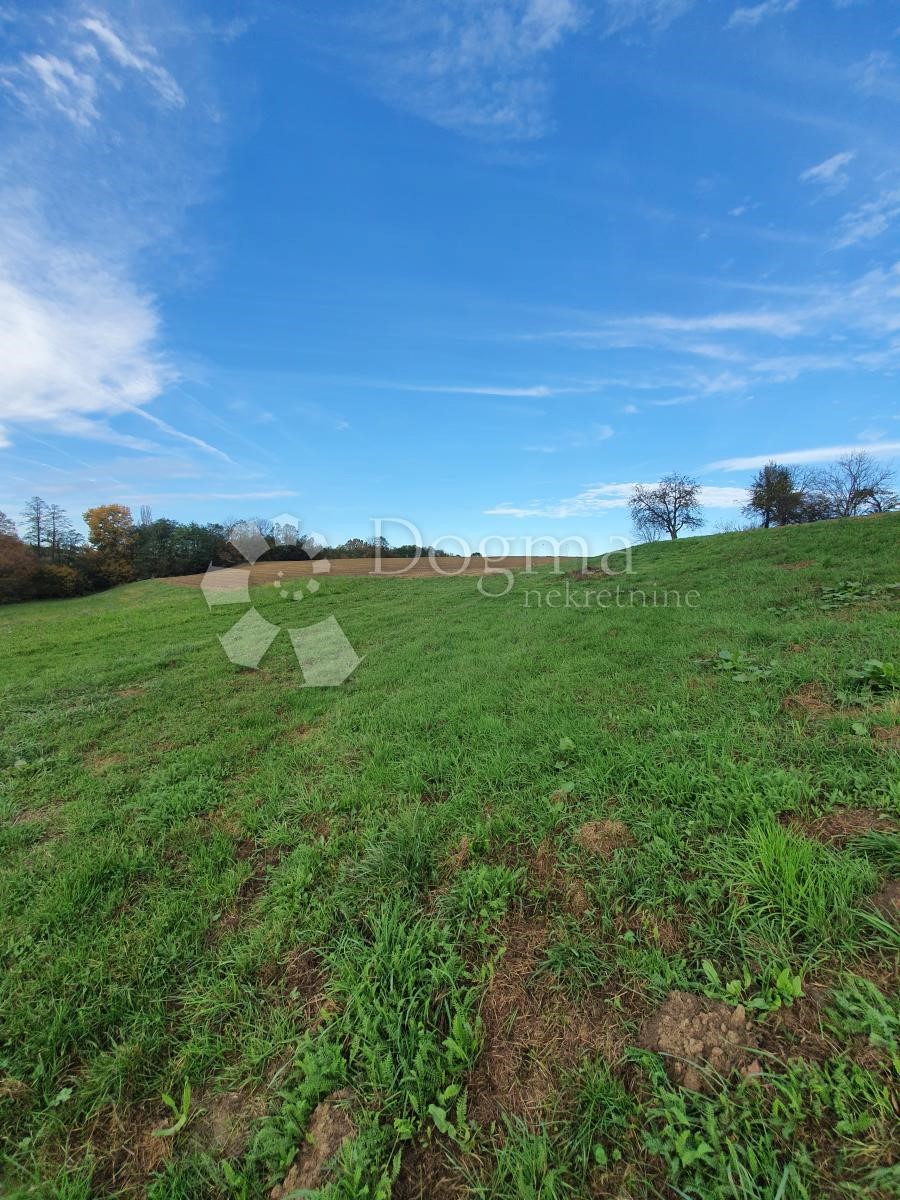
(620, 16)
(592, 436)
(89, 62)
(602, 497)
(816, 454)
(476, 67)
(854, 324)
(749, 16)
(869, 220)
(535, 391)
(830, 174)
(81, 341)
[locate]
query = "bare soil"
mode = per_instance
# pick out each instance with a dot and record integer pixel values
(534, 1032)
(329, 1127)
(262, 573)
(694, 1033)
(842, 825)
(427, 1173)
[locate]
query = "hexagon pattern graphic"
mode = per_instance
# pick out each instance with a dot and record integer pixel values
(324, 653)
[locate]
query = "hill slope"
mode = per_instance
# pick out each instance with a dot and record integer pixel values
(550, 898)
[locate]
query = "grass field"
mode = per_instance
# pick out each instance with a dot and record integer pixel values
(544, 901)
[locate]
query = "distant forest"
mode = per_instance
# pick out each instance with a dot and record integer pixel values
(49, 559)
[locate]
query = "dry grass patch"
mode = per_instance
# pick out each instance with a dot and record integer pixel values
(603, 838)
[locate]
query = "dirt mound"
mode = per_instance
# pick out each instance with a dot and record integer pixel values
(329, 1127)
(799, 565)
(604, 837)
(695, 1033)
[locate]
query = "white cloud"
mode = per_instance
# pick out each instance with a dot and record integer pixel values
(622, 15)
(72, 91)
(477, 67)
(830, 173)
(80, 335)
(78, 76)
(748, 17)
(602, 497)
(869, 220)
(144, 63)
(832, 326)
(815, 455)
(77, 339)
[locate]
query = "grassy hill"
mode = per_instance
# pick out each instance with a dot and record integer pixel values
(546, 901)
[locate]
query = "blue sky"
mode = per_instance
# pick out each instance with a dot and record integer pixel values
(482, 265)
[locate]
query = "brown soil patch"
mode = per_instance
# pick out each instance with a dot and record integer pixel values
(796, 566)
(126, 1151)
(650, 927)
(301, 733)
(604, 837)
(98, 763)
(223, 1123)
(137, 690)
(427, 1173)
(329, 1127)
(809, 701)
(533, 1032)
(263, 573)
(888, 734)
(887, 902)
(694, 1033)
(795, 648)
(299, 982)
(841, 825)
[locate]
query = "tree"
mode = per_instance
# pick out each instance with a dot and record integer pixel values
(857, 484)
(34, 515)
(668, 507)
(18, 564)
(777, 496)
(60, 534)
(111, 532)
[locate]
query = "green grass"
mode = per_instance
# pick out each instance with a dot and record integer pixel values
(215, 876)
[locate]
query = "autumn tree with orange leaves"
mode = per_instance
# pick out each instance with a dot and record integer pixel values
(112, 533)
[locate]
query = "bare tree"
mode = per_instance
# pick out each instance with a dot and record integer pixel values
(8, 527)
(59, 531)
(34, 516)
(667, 507)
(857, 484)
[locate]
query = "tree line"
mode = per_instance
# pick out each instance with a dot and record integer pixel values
(854, 486)
(49, 559)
